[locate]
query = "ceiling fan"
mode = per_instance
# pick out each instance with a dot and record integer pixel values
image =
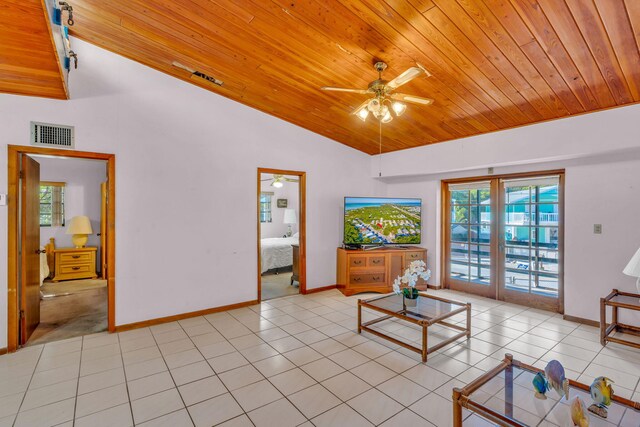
(278, 180)
(384, 96)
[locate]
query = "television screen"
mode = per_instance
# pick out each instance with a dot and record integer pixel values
(375, 220)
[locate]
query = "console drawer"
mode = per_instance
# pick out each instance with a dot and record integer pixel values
(375, 261)
(358, 261)
(414, 256)
(368, 278)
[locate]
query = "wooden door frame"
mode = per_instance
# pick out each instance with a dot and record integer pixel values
(495, 268)
(302, 228)
(13, 236)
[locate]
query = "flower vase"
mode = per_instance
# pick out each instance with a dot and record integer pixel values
(409, 302)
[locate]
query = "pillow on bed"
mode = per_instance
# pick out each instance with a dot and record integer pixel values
(296, 235)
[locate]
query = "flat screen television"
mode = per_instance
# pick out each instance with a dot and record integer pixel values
(382, 221)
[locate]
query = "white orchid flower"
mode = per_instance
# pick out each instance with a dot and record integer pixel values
(416, 270)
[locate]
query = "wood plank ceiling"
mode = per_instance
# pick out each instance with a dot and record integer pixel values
(28, 62)
(495, 64)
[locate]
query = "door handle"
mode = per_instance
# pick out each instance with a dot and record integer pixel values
(38, 251)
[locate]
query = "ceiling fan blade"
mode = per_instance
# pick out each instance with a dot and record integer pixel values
(411, 98)
(405, 77)
(344, 89)
(291, 180)
(360, 107)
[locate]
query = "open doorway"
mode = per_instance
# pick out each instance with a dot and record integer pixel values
(281, 233)
(61, 245)
(73, 290)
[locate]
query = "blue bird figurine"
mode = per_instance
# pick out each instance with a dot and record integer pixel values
(540, 386)
(554, 372)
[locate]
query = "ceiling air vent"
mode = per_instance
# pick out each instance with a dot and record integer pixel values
(48, 135)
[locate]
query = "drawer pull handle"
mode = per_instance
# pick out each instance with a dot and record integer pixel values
(357, 279)
(376, 261)
(357, 262)
(376, 278)
(75, 256)
(75, 268)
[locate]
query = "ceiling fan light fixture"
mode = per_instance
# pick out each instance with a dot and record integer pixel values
(399, 108)
(387, 117)
(363, 113)
(277, 184)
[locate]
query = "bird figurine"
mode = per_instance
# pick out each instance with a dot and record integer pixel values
(554, 372)
(601, 393)
(540, 386)
(579, 414)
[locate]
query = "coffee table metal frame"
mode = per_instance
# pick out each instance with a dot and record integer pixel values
(607, 330)
(424, 322)
(462, 396)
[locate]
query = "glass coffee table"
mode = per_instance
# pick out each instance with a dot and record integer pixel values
(505, 397)
(428, 310)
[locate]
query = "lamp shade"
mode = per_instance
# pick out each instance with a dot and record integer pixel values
(290, 216)
(633, 267)
(79, 225)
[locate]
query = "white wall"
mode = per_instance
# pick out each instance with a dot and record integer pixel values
(82, 180)
(186, 159)
(289, 191)
(600, 153)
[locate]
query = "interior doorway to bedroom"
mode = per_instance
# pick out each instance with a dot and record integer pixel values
(61, 245)
(281, 221)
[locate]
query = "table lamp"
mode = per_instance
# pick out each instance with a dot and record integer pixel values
(80, 227)
(633, 268)
(290, 218)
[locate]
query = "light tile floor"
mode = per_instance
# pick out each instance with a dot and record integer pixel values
(288, 362)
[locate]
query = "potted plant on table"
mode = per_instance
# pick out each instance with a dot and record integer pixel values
(416, 270)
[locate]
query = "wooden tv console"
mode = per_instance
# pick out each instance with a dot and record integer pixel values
(375, 270)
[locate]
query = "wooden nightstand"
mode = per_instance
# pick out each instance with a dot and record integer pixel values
(75, 263)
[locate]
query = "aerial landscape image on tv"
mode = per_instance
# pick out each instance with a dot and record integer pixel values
(381, 221)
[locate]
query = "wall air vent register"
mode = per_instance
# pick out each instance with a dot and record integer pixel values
(49, 135)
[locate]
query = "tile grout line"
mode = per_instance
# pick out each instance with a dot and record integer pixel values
(33, 373)
(126, 383)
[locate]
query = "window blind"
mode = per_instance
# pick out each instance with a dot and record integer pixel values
(467, 186)
(543, 181)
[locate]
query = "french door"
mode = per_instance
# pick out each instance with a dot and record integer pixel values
(503, 238)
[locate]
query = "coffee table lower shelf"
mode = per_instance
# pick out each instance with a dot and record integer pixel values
(434, 310)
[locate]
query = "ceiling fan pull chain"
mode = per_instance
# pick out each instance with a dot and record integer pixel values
(380, 145)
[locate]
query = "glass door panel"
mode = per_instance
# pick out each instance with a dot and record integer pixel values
(529, 229)
(502, 239)
(469, 267)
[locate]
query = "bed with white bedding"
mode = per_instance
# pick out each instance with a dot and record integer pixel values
(277, 252)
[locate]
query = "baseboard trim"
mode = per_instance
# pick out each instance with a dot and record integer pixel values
(160, 320)
(3, 351)
(322, 289)
(581, 320)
